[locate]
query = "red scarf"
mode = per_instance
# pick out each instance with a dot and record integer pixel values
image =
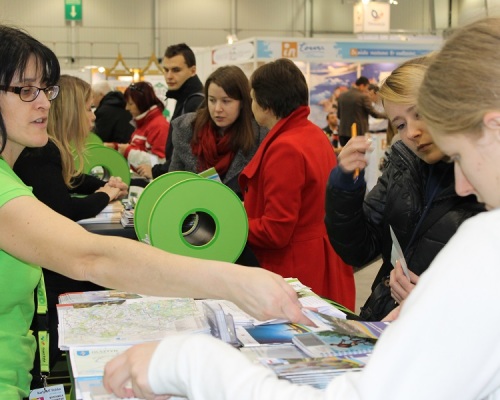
(213, 150)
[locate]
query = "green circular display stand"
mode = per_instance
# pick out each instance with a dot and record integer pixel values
(112, 162)
(150, 196)
(218, 231)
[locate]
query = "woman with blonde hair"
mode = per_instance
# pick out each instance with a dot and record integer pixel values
(52, 170)
(414, 196)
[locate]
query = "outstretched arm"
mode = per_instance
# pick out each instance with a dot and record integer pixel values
(34, 233)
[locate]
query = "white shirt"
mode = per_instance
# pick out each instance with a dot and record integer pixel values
(444, 345)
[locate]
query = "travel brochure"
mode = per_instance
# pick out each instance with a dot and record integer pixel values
(96, 326)
(316, 372)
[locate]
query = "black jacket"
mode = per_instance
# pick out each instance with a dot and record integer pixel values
(112, 120)
(354, 106)
(359, 228)
(189, 97)
(41, 168)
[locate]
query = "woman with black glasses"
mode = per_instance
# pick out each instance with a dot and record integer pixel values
(56, 178)
(31, 234)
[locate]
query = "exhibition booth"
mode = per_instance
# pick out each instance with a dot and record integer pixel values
(329, 65)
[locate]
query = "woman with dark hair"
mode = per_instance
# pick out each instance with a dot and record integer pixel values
(285, 183)
(147, 143)
(55, 177)
(32, 234)
(222, 133)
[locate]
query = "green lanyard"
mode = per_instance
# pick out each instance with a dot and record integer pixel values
(43, 334)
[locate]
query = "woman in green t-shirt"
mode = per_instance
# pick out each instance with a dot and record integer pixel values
(31, 233)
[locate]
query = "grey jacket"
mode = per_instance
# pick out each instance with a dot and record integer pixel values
(184, 160)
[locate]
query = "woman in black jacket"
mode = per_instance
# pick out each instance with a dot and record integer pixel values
(415, 196)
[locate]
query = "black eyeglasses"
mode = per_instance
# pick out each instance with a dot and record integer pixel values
(30, 93)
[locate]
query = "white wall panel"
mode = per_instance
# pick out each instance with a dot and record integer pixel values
(196, 22)
(332, 16)
(270, 18)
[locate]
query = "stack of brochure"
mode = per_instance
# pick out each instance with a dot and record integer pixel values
(312, 355)
(339, 337)
(96, 326)
(87, 364)
(110, 214)
(316, 372)
(127, 218)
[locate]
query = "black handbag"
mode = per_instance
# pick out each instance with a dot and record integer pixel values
(379, 303)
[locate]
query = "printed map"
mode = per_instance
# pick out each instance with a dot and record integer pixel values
(133, 321)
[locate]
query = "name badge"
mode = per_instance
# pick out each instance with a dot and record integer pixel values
(55, 392)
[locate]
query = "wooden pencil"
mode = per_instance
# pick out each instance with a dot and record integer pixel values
(354, 133)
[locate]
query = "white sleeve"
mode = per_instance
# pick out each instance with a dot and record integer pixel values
(444, 345)
(201, 367)
(137, 157)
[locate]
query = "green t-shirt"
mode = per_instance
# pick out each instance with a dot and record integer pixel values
(18, 281)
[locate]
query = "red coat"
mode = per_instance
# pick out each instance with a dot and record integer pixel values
(150, 135)
(284, 189)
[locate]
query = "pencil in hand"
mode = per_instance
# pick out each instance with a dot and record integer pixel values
(354, 133)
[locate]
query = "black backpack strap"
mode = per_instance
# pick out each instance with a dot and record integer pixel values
(190, 97)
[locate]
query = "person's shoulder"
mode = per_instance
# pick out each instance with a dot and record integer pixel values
(113, 99)
(480, 230)
(49, 151)
(184, 121)
(11, 184)
(259, 131)
(192, 102)
(401, 150)
(490, 217)
(344, 94)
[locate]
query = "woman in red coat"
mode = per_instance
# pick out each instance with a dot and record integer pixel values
(284, 186)
(147, 143)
